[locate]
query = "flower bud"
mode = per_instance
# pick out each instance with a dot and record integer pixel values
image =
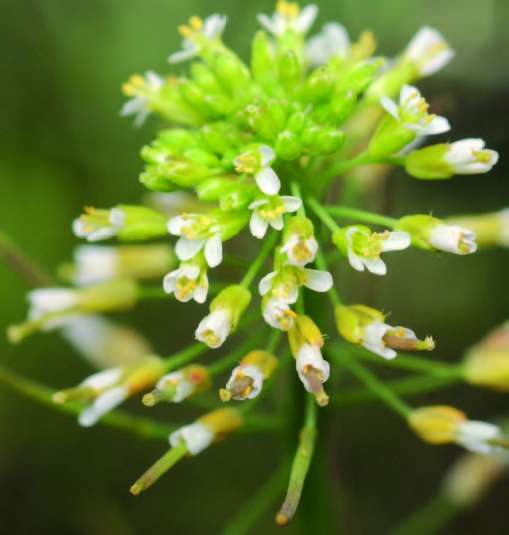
(288, 145)
(93, 264)
(124, 221)
(179, 385)
(263, 60)
(428, 232)
(487, 363)
(363, 325)
(226, 310)
(189, 281)
(465, 157)
(246, 380)
(207, 429)
(305, 341)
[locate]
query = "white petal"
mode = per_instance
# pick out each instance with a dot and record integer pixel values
(277, 223)
(474, 436)
(373, 340)
(268, 181)
(170, 281)
(390, 107)
(196, 437)
(291, 204)
(201, 291)
(318, 281)
(375, 265)
(101, 405)
(175, 225)
(396, 241)
(186, 249)
(306, 18)
(265, 283)
(267, 23)
(355, 261)
(268, 155)
(214, 250)
(258, 226)
(438, 125)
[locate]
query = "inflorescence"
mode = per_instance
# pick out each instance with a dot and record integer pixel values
(255, 151)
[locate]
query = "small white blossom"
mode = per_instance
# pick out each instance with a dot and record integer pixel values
(278, 314)
(412, 112)
(209, 29)
(469, 157)
(95, 264)
(332, 41)
(429, 51)
(214, 328)
(475, 436)
(105, 402)
(187, 282)
(288, 17)
(299, 250)
(453, 239)
(195, 236)
(142, 89)
(257, 162)
(183, 387)
(48, 300)
(270, 211)
(196, 437)
(312, 368)
(96, 225)
(254, 377)
(365, 251)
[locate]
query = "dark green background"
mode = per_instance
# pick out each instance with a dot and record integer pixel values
(64, 146)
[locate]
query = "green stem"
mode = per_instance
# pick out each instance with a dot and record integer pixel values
(143, 427)
(247, 516)
(412, 363)
(346, 212)
(343, 166)
(21, 264)
(156, 293)
(186, 355)
(260, 259)
(429, 519)
(300, 465)
(322, 264)
(232, 359)
(160, 467)
(295, 188)
(372, 382)
(322, 214)
(273, 342)
(402, 387)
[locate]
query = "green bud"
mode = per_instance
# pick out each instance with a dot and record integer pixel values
(239, 198)
(419, 227)
(205, 79)
(429, 163)
(214, 189)
(390, 138)
(297, 122)
(263, 60)
(351, 321)
(289, 69)
(152, 180)
(391, 82)
(114, 295)
(319, 84)
(176, 140)
(229, 70)
(236, 298)
(341, 106)
(233, 222)
(288, 146)
(141, 223)
(201, 157)
(358, 78)
(329, 140)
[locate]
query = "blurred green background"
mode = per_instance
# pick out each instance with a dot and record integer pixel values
(65, 146)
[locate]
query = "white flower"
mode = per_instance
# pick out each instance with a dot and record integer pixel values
(105, 402)
(51, 300)
(312, 369)
(183, 387)
(97, 225)
(332, 41)
(284, 287)
(187, 282)
(196, 437)
(316, 280)
(214, 328)
(453, 239)
(197, 232)
(299, 250)
(95, 264)
(475, 436)
(365, 251)
(429, 51)
(373, 340)
(469, 157)
(258, 162)
(209, 29)
(278, 314)
(245, 382)
(142, 89)
(270, 211)
(288, 17)
(412, 112)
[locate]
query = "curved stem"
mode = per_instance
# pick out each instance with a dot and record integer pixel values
(260, 259)
(346, 212)
(322, 214)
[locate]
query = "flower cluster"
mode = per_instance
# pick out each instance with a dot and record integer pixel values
(250, 154)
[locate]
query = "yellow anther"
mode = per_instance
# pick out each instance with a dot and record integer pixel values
(196, 23)
(288, 9)
(185, 31)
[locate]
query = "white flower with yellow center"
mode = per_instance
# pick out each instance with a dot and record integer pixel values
(195, 436)
(429, 51)
(278, 313)
(245, 382)
(270, 211)
(312, 368)
(97, 224)
(332, 41)
(257, 162)
(412, 112)
(197, 232)
(300, 250)
(364, 247)
(187, 282)
(215, 328)
(197, 34)
(289, 17)
(469, 157)
(141, 89)
(453, 239)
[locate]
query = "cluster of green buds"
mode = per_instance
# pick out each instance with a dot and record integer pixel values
(255, 150)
